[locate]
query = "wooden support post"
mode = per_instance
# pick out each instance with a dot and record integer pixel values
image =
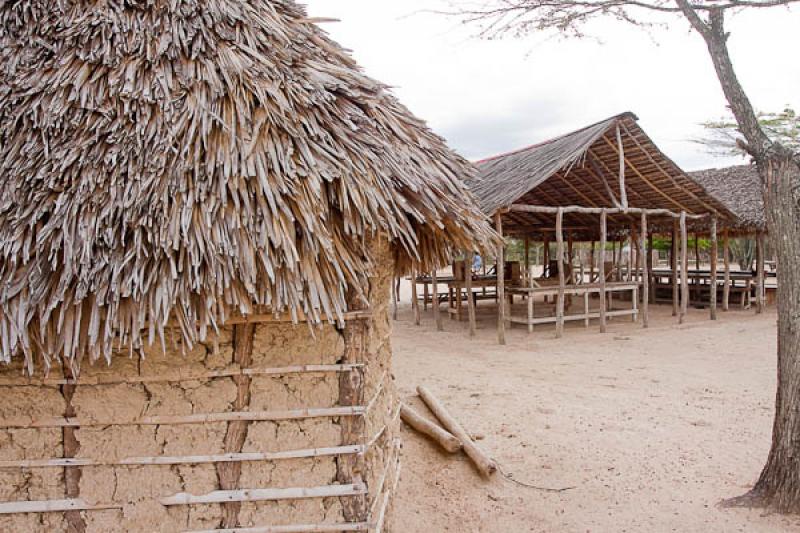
(561, 274)
(527, 261)
(673, 263)
(645, 274)
(437, 315)
(635, 252)
(726, 259)
(713, 288)
(545, 260)
(425, 296)
(470, 296)
(631, 246)
(570, 250)
(623, 196)
(591, 264)
(602, 267)
(501, 282)
(684, 269)
(650, 268)
(414, 299)
(759, 272)
(546, 257)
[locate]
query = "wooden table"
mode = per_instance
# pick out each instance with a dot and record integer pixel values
(585, 291)
(741, 284)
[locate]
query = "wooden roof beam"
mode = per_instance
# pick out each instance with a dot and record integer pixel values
(643, 178)
(665, 173)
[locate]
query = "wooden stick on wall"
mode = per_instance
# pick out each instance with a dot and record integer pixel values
(673, 263)
(602, 267)
(645, 274)
(561, 277)
(713, 287)
(470, 298)
(437, 315)
(726, 258)
(684, 269)
(501, 288)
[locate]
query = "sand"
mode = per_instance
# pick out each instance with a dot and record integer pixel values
(651, 427)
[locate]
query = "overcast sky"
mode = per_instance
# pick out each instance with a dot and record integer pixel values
(488, 97)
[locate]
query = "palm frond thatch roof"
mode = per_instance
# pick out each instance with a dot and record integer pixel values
(194, 160)
(739, 188)
(582, 168)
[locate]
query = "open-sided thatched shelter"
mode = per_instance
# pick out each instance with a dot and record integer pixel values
(183, 182)
(556, 191)
(739, 189)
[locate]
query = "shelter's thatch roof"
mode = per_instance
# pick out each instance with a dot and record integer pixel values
(739, 188)
(194, 160)
(582, 168)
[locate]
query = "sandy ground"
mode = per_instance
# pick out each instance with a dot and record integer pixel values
(651, 428)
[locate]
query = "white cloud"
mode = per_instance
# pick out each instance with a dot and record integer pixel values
(493, 96)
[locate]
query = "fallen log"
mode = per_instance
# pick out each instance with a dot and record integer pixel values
(445, 439)
(483, 462)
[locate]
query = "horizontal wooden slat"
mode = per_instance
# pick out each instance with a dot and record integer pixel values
(53, 506)
(295, 528)
(199, 418)
(113, 379)
(188, 459)
(255, 495)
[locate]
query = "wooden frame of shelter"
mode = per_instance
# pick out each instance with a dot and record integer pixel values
(611, 171)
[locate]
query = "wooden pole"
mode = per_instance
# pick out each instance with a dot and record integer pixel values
(645, 274)
(591, 263)
(501, 283)
(623, 196)
(546, 256)
(414, 300)
(527, 262)
(561, 277)
(760, 272)
(632, 245)
(650, 267)
(470, 298)
(713, 287)
(570, 249)
(696, 251)
(684, 269)
(485, 464)
(602, 267)
(673, 263)
(443, 438)
(437, 315)
(726, 259)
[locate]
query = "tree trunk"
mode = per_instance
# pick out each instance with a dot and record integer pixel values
(779, 170)
(779, 483)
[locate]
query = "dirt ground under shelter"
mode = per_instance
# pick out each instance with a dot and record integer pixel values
(650, 428)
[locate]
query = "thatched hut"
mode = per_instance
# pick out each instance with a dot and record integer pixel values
(203, 204)
(739, 189)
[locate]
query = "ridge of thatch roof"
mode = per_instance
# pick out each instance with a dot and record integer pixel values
(739, 188)
(198, 160)
(582, 168)
(503, 178)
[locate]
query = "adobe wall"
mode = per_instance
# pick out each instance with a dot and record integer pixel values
(178, 383)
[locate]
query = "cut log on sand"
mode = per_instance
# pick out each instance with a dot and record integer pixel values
(483, 462)
(445, 439)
